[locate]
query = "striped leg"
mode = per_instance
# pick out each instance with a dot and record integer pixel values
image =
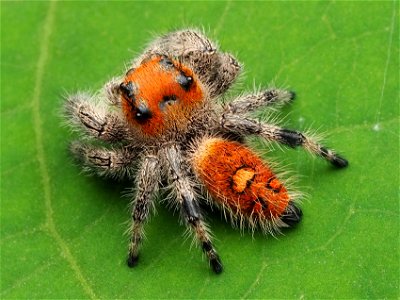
(147, 186)
(291, 138)
(94, 119)
(251, 102)
(189, 206)
(115, 163)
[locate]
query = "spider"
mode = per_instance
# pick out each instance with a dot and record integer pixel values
(161, 126)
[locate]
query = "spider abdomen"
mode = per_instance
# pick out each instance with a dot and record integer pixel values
(240, 181)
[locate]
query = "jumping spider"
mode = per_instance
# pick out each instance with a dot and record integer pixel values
(162, 123)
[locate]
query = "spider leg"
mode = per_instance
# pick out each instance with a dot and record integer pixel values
(291, 138)
(147, 186)
(189, 206)
(94, 119)
(111, 91)
(224, 76)
(251, 102)
(114, 163)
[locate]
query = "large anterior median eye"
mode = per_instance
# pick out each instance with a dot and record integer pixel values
(184, 81)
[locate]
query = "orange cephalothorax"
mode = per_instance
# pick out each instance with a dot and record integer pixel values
(238, 179)
(160, 95)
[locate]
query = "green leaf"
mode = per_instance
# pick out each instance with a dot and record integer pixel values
(62, 233)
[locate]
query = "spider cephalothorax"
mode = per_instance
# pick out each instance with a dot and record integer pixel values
(160, 95)
(161, 123)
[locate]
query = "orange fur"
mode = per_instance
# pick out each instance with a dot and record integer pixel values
(153, 83)
(239, 179)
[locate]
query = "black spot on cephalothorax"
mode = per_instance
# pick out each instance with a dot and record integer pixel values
(184, 81)
(268, 185)
(167, 101)
(128, 90)
(142, 113)
(169, 98)
(166, 62)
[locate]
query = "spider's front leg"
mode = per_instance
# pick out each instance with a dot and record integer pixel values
(148, 179)
(248, 103)
(187, 201)
(115, 163)
(94, 119)
(112, 91)
(243, 126)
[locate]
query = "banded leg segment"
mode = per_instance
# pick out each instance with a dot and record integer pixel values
(114, 163)
(248, 103)
(147, 186)
(190, 209)
(94, 119)
(291, 138)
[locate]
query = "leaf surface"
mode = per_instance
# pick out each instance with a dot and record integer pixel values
(62, 234)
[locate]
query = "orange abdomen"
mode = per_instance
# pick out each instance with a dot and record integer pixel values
(238, 179)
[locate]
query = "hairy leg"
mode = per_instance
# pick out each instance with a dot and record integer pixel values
(291, 138)
(146, 187)
(93, 119)
(251, 102)
(190, 209)
(114, 163)
(111, 91)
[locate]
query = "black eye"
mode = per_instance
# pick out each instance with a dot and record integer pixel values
(168, 100)
(166, 62)
(184, 81)
(127, 89)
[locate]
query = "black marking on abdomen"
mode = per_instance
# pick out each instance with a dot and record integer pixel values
(264, 203)
(268, 185)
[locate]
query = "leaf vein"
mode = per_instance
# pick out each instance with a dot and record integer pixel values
(389, 52)
(38, 126)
